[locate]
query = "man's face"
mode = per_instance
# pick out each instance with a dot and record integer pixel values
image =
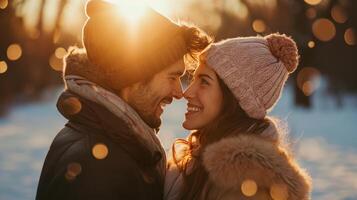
(149, 98)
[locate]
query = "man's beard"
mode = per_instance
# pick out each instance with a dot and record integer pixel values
(151, 120)
(145, 105)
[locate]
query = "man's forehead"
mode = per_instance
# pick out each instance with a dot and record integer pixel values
(177, 68)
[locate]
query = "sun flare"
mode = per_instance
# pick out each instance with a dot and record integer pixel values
(132, 10)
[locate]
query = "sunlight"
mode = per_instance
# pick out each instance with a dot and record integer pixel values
(132, 10)
(162, 6)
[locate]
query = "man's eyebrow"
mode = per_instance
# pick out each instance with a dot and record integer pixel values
(177, 73)
(205, 75)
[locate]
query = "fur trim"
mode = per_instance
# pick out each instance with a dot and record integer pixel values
(233, 160)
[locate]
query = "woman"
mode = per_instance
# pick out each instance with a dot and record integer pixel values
(235, 150)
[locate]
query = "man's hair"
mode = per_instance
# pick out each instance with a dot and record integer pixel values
(196, 40)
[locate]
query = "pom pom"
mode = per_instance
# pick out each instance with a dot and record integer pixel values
(284, 48)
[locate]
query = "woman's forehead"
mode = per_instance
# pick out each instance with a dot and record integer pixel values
(204, 69)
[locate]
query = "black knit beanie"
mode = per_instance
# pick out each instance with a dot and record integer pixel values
(121, 53)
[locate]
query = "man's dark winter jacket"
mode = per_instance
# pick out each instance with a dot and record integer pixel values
(71, 171)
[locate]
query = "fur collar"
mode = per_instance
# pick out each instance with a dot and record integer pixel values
(233, 160)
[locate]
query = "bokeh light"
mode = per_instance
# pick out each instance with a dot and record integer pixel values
(236, 8)
(60, 52)
(73, 170)
(249, 187)
(242, 11)
(259, 26)
(56, 63)
(279, 192)
(14, 52)
(311, 44)
(323, 29)
(350, 36)
(70, 106)
(338, 14)
(3, 4)
(308, 88)
(313, 2)
(308, 80)
(100, 151)
(3, 67)
(310, 13)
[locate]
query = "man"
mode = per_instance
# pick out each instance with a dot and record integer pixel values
(116, 90)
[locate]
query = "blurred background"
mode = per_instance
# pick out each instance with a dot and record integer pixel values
(319, 103)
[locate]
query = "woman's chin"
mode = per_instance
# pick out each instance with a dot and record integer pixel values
(188, 126)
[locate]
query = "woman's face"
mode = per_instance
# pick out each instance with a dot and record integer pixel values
(204, 96)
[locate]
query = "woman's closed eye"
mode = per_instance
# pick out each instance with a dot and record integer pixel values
(204, 81)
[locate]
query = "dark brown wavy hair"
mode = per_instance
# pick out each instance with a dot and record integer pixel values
(231, 120)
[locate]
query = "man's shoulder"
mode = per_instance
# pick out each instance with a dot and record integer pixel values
(71, 145)
(88, 165)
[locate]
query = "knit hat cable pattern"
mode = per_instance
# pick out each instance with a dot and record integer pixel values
(255, 69)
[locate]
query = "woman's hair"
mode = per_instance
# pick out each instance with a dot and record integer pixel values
(232, 120)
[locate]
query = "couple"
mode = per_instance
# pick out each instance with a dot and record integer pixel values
(117, 87)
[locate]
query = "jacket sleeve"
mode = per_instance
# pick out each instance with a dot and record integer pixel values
(249, 166)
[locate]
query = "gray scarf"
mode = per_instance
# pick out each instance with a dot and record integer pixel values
(121, 109)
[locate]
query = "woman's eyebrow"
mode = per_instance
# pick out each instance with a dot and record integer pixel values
(205, 75)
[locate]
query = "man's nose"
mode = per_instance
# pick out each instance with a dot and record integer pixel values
(177, 92)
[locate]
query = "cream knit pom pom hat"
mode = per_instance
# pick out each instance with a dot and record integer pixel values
(255, 69)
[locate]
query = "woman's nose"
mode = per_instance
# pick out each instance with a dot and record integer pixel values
(189, 92)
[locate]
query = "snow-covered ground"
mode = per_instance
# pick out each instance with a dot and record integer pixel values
(324, 139)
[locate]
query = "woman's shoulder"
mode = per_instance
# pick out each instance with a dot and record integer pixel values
(233, 161)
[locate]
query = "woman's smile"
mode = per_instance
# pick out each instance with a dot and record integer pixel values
(193, 109)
